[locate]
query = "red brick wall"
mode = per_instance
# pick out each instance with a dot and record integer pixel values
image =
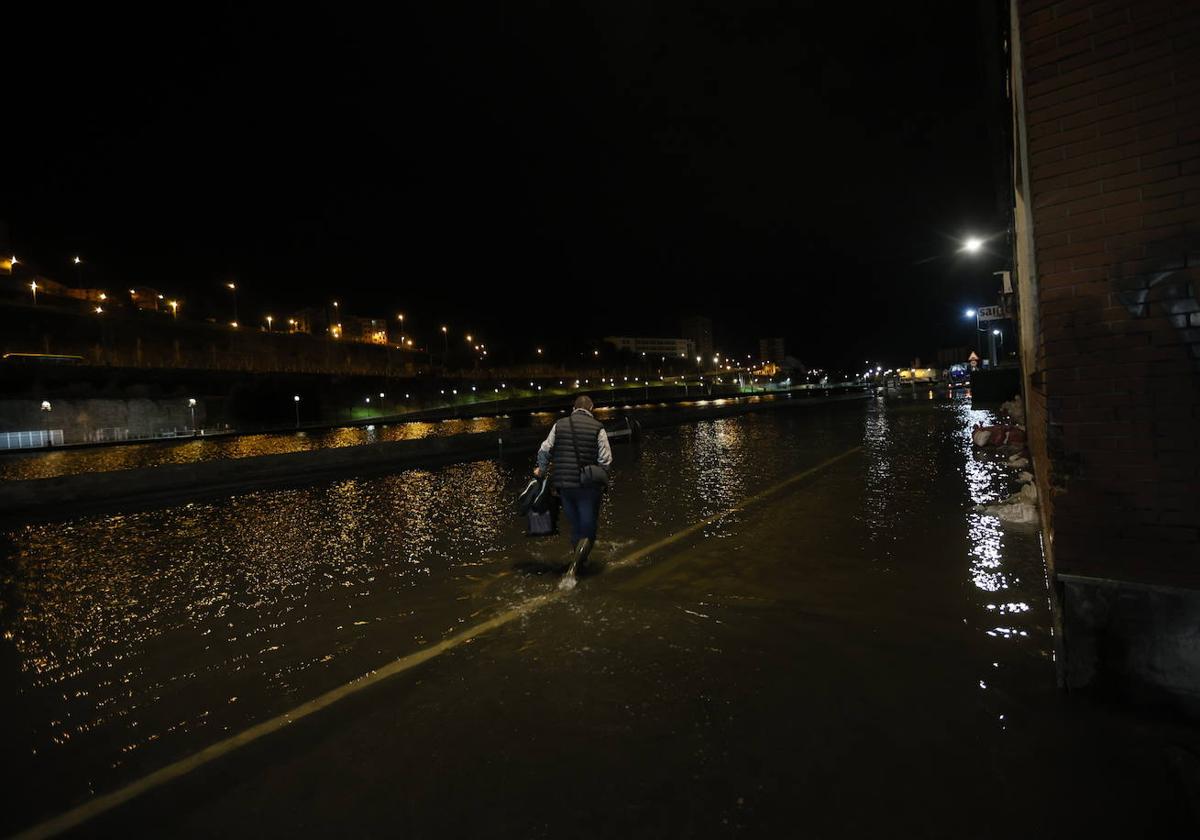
(1112, 108)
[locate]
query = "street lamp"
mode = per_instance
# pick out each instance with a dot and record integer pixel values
(174, 304)
(192, 408)
(269, 321)
(33, 288)
(296, 400)
(233, 290)
(46, 422)
(78, 271)
(972, 245)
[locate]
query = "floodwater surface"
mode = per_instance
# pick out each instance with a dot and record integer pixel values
(861, 636)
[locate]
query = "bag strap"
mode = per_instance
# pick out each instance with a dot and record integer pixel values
(575, 442)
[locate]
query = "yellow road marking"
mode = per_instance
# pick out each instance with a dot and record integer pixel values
(106, 802)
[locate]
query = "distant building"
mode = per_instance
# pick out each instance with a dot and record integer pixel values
(321, 322)
(771, 350)
(673, 347)
(52, 288)
(698, 330)
(146, 298)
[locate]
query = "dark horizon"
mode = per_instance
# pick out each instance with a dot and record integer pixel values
(800, 172)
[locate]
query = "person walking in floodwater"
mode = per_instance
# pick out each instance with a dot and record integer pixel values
(578, 448)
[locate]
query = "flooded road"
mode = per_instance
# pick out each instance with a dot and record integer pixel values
(855, 653)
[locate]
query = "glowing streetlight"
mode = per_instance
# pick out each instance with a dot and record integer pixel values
(232, 287)
(174, 304)
(192, 408)
(296, 400)
(972, 245)
(33, 288)
(269, 321)
(99, 310)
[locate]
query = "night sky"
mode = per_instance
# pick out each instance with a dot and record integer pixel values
(799, 169)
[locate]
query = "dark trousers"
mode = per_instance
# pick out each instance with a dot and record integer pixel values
(582, 507)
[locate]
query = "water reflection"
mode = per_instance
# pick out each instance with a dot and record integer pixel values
(103, 459)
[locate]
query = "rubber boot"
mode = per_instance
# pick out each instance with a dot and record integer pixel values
(582, 549)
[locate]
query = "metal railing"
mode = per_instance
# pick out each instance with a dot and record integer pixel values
(32, 439)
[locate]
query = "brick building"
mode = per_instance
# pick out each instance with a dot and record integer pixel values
(1106, 171)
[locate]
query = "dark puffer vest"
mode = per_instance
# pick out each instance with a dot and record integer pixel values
(566, 465)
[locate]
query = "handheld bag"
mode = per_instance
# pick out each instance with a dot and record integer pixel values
(534, 497)
(590, 475)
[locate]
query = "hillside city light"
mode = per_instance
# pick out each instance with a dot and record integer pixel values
(77, 261)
